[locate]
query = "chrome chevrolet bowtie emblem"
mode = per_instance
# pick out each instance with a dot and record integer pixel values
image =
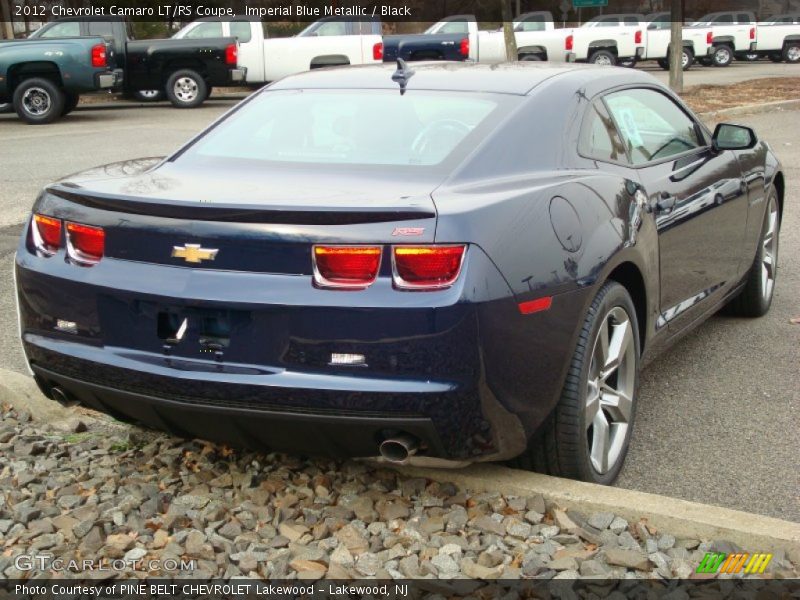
(194, 253)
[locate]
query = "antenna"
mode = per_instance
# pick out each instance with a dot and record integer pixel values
(402, 75)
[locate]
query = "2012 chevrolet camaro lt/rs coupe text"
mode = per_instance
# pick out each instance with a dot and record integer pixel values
(444, 264)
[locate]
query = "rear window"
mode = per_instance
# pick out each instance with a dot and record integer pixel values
(353, 127)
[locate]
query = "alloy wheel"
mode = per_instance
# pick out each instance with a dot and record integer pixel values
(36, 101)
(186, 89)
(610, 390)
(769, 255)
(793, 54)
(684, 60)
(722, 55)
(603, 60)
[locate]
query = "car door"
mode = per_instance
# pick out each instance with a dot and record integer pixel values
(696, 194)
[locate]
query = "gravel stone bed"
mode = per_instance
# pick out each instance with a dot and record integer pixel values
(87, 488)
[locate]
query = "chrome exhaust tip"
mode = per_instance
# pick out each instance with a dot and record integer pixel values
(399, 449)
(60, 396)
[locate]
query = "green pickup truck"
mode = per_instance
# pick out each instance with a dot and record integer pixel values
(43, 79)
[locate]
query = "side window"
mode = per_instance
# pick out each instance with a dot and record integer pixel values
(332, 28)
(101, 28)
(724, 19)
(206, 30)
(631, 21)
(599, 138)
(455, 27)
(241, 31)
(652, 126)
(743, 18)
(531, 24)
(68, 29)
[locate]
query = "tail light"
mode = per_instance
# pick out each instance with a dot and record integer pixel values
(426, 267)
(637, 38)
(99, 55)
(85, 244)
(232, 55)
(752, 33)
(346, 267)
(710, 38)
(377, 51)
(46, 234)
(463, 48)
(569, 42)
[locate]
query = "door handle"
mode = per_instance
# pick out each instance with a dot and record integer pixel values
(666, 202)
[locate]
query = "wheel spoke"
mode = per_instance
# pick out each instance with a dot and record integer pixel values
(600, 442)
(618, 404)
(618, 345)
(592, 401)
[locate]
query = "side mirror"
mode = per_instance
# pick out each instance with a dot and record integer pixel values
(733, 137)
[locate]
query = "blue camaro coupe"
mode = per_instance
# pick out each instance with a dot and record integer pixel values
(439, 264)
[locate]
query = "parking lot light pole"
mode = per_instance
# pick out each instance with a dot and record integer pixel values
(676, 47)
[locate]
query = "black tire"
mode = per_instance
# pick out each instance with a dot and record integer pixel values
(723, 56)
(70, 102)
(603, 57)
(687, 58)
(530, 57)
(791, 53)
(186, 89)
(561, 447)
(148, 95)
(756, 297)
(208, 92)
(705, 61)
(776, 58)
(748, 57)
(628, 63)
(663, 63)
(38, 101)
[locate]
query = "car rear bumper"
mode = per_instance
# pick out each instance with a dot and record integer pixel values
(238, 75)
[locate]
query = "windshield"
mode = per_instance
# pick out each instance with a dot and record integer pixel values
(354, 127)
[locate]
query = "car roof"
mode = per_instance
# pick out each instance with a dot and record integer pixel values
(517, 78)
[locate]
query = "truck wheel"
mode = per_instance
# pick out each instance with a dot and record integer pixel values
(663, 63)
(186, 89)
(776, 57)
(70, 102)
(687, 59)
(38, 101)
(628, 63)
(791, 53)
(723, 56)
(148, 95)
(6, 108)
(530, 57)
(748, 56)
(603, 57)
(705, 61)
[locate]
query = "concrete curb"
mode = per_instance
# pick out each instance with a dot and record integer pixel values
(751, 109)
(680, 518)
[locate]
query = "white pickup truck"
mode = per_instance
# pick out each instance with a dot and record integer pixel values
(458, 38)
(328, 42)
(697, 41)
(734, 35)
(779, 38)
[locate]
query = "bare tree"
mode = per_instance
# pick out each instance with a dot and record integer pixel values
(7, 30)
(676, 47)
(508, 30)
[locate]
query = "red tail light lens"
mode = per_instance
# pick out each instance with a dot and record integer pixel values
(637, 38)
(710, 37)
(347, 267)
(46, 234)
(569, 42)
(99, 55)
(752, 33)
(85, 244)
(232, 55)
(377, 51)
(463, 48)
(427, 267)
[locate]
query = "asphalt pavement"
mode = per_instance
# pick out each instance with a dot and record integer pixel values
(717, 420)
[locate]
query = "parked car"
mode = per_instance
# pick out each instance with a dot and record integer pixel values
(779, 39)
(697, 41)
(329, 42)
(309, 275)
(184, 70)
(43, 80)
(734, 35)
(458, 38)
